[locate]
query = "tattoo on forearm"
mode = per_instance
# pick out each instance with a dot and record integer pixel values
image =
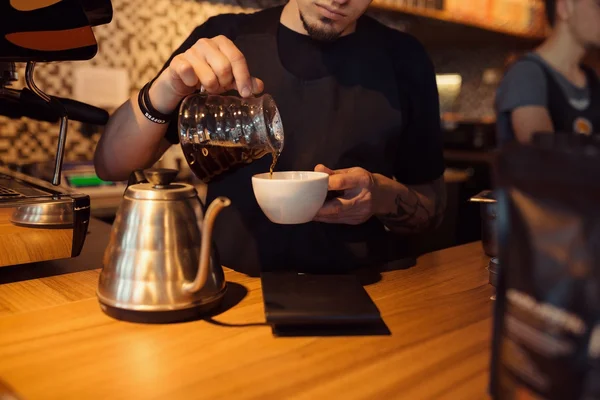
(414, 213)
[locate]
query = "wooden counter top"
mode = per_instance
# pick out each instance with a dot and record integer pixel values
(56, 343)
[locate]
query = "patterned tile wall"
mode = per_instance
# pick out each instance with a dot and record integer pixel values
(141, 37)
(476, 99)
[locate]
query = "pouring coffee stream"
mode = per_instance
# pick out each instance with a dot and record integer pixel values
(275, 157)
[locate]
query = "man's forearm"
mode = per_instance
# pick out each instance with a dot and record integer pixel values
(130, 140)
(409, 209)
(127, 143)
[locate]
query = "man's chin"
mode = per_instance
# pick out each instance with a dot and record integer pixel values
(324, 35)
(322, 29)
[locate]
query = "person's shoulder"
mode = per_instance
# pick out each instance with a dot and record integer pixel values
(530, 72)
(222, 24)
(228, 18)
(527, 73)
(408, 55)
(527, 66)
(395, 39)
(232, 25)
(524, 84)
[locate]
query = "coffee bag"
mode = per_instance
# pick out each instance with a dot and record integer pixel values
(547, 315)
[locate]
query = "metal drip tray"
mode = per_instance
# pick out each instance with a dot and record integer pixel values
(41, 222)
(58, 214)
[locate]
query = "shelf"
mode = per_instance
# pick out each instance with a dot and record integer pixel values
(442, 15)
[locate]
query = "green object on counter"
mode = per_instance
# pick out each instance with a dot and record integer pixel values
(87, 181)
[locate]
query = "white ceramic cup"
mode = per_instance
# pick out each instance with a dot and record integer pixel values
(292, 197)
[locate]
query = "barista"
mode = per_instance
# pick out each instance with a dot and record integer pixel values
(549, 89)
(358, 100)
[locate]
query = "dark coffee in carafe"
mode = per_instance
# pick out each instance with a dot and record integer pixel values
(208, 161)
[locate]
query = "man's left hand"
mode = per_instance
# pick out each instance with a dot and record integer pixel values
(356, 205)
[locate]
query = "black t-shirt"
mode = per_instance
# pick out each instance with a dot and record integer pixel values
(419, 158)
(311, 59)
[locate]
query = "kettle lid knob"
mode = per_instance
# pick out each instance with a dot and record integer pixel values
(160, 177)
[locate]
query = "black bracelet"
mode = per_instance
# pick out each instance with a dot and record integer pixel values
(148, 109)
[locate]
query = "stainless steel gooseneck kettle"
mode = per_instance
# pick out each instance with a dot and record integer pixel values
(159, 265)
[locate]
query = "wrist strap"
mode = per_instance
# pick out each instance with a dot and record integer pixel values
(148, 109)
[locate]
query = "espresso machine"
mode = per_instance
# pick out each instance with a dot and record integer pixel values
(40, 220)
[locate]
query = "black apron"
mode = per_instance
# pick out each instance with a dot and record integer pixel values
(565, 117)
(351, 119)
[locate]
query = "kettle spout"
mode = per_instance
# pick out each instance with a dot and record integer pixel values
(206, 246)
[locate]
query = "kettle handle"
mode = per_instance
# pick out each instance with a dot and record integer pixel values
(206, 244)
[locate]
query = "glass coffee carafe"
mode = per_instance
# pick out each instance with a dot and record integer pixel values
(221, 133)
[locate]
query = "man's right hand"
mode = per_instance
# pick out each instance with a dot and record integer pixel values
(215, 64)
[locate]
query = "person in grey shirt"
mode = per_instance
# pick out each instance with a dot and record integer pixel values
(550, 90)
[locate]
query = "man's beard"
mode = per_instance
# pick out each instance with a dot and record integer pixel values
(317, 33)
